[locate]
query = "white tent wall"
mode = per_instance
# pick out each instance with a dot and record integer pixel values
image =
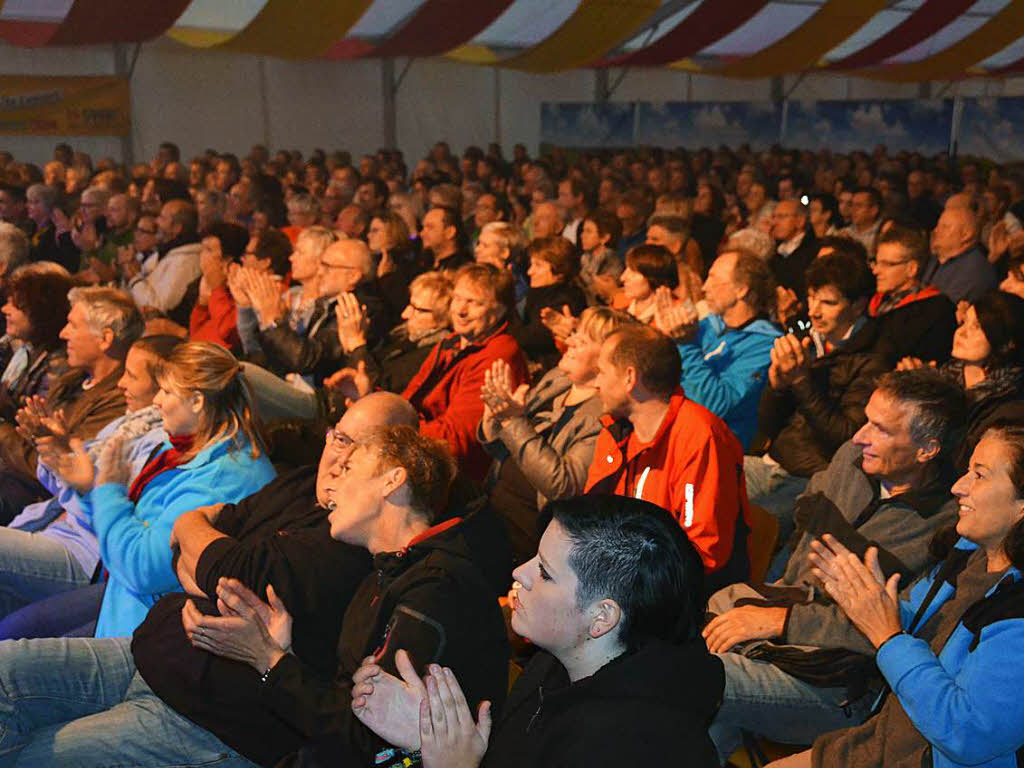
(205, 99)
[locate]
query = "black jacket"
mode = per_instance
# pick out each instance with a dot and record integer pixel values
(807, 422)
(47, 246)
(430, 599)
(276, 536)
(533, 336)
(318, 351)
(647, 708)
(922, 328)
(789, 270)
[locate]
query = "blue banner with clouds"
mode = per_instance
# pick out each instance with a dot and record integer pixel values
(576, 124)
(993, 128)
(708, 124)
(920, 125)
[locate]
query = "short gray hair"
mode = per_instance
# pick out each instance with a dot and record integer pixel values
(13, 246)
(42, 193)
(753, 240)
(109, 308)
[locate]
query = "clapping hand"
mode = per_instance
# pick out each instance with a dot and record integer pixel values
(388, 705)
(449, 738)
(860, 588)
(677, 320)
(913, 363)
(352, 322)
(237, 286)
(353, 383)
(787, 304)
(265, 295)
(561, 324)
(113, 465)
(790, 361)
(248, 630)
(36, 421)
(72, 465)
(501, 402)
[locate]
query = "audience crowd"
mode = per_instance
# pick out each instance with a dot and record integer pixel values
(742, 430)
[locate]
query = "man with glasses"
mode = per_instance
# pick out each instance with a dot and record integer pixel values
(346, 267)
(914, 320)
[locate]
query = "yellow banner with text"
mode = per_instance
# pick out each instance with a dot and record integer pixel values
(74, 106)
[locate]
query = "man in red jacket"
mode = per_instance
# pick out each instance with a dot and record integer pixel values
(446, 389)
(659, 446)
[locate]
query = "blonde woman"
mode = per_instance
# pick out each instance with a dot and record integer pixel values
(213, 455)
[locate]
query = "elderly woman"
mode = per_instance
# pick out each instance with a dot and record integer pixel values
(392, 364)
(542, 440)
(613, 601)
(502, 245)
(446, 389)
(213, 455)
(35, 311)
(948, 651)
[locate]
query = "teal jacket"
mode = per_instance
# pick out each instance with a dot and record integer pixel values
(725, 370)
(135, 538)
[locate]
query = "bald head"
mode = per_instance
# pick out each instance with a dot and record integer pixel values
(376, 410)
(956, 231)
(962, 200)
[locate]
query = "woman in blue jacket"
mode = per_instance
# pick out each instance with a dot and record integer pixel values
(950, 652)
(213, 455)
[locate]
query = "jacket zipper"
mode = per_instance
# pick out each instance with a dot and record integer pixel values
(540, 706)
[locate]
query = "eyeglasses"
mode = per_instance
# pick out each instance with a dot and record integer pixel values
(424, 310)
(327, 265)
(335, 438)
(887, 264)
(142, 231)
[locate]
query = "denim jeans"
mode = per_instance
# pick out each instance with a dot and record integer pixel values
(73, 613)
(81, 702)
(34, 567)
(277, 400)
(764, 700)
(773, 488)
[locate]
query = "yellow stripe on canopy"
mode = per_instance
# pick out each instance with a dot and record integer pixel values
(593, 29)
(804, 47)
(300, 29)
(987, 40)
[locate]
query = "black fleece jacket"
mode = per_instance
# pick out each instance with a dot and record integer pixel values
(276, 536)
(430, 599)
(647, 708)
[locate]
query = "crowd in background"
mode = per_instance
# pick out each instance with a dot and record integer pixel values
(742, 429)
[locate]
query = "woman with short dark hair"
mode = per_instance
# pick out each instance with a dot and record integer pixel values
(614, 601)
(554, 265)
(32, 352)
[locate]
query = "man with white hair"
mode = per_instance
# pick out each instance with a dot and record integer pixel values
(102, 324)
(47, 243)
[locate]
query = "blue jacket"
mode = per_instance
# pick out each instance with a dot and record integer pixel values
(135, 538)
(725, 370)
(967, 704)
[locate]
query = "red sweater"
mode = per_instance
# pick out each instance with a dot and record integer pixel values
(446, 392)
(216, 321)
(693, 468)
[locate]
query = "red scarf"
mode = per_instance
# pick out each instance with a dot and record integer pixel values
(165, 460)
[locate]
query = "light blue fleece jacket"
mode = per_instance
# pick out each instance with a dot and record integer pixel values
(135, 538)
(725, 370)
(967, 704)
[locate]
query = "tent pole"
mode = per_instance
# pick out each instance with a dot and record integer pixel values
(497, 105)
(388, 113)
(122, 69)
(261, 67)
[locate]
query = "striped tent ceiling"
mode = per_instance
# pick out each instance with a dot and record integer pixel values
(898, 40)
